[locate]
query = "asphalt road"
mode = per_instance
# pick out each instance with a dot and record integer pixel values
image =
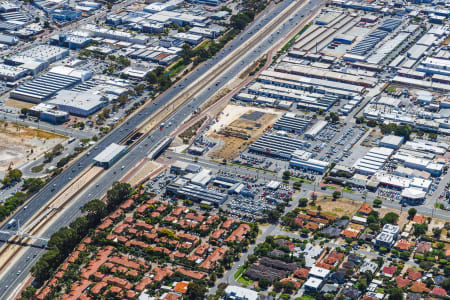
(21, 266)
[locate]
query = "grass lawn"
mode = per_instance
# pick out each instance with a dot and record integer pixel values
(300, 179)
(249, 167)
(244, 281)
(176, 68)
(38, 168)
(239, 272)
(331, 187)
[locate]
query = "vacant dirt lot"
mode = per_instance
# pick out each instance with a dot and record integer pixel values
(403, 216)
(239, 126)
(340, 207)
(18, 143)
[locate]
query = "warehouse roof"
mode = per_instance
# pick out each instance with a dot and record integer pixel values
(82, 100)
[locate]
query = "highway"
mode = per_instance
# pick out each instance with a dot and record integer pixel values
(141, 150)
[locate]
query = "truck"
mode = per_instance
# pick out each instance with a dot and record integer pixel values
(11, 223)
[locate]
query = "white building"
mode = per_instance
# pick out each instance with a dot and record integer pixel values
(233, 292)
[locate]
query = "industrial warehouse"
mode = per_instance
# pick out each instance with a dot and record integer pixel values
(233, 150)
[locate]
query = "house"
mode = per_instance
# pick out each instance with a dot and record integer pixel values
(388, 271)
(331, 231)
(414, 275)
(319, 273)
(368, 266)
(354, 258)
(330, 288)
(351, 293)
(403, 245)
(439, 279)
(402, 282)
(350, 233)
(342, 223)
(313, 284)
(365, 209)
(181, 287)
(333, 258)
(413, 296)
(337, 277)
(419, 287)
(301, 273)
(438, 292)
(419, 219)
(423, 247)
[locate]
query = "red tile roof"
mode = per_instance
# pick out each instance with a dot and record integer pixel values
(333, 257)
(210, 261)
(419, 287)
(195, 217)
(301, 273)
(389, 270)
(438, 291)
(365, 209)
(191, 274)
(403, 245)
(181, 287)
(142, 285)
(419, 219)
(349, 233)
(98, 287)
(228, 223)
(239, 233)
(161, 273)
(414, 275)
(401, 282)
(312, 226)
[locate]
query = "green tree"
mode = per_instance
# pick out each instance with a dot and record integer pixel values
(390, 218)
(334, 117)
(446, 284)
(286, 175)
(196, 290)
(29, 292)
(302, 202)
(395, 294)
(32, 184)
(377, 202)
(117, 194)
(336, 195)
(420, 229)
(14, 175)
(263, 283)
(411, 213)
(372, 123)
(95, 209)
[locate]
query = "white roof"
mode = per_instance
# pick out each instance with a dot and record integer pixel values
(241, 292)
(273, 184)
(392, 140)
(413, 193)
(318, 272)
(313, 282)
(81, 100)
(359, 219)
(109, 153)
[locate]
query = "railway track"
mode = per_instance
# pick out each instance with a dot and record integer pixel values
(42, 217)
(200, 84)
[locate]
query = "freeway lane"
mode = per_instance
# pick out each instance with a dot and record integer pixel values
(136, 154)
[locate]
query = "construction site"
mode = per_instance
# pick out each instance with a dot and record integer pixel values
(19, 144)
(239, 126)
